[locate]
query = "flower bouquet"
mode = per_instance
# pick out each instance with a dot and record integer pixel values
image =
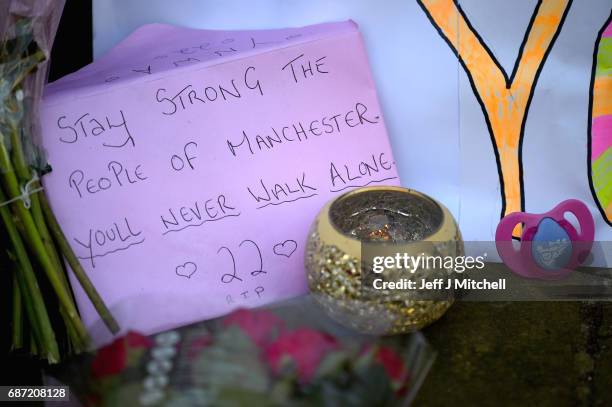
(255, 358)
(33, 245)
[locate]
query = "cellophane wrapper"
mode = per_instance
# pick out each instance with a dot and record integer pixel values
(34, 23)
(290, 354)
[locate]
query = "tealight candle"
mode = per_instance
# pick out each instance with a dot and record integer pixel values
(387, 222)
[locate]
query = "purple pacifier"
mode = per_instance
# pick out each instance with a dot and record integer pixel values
(550, 246)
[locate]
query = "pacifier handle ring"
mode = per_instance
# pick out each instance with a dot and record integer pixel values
(582, 213)
(511, 256)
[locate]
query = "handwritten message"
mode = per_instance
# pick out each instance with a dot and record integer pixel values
(190, 191)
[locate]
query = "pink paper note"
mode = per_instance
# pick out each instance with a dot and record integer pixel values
(189, 164)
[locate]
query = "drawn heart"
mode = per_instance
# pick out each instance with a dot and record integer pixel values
(187, 269)
(286, 248)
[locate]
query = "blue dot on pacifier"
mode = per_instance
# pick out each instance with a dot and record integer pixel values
(551, 246)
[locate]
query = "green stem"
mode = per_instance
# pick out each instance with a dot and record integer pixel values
(18, 157)
(34, 348)
(23, 172)
(39, 220)
(79, 344)
(24, 175)
(34, 320)
(48, 340)
(17, 315)
(76, 267)
(35, 242)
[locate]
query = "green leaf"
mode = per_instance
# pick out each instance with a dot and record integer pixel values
(332, 364)
(238, 397)
(356, 385)
(188, 397)
(366, 359)
(233, 361)
(374, 384)
(283, 389)
(123, 395)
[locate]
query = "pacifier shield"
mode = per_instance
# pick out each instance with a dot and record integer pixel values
(551, 245)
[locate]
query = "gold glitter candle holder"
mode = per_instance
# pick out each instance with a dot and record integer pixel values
(388, 220)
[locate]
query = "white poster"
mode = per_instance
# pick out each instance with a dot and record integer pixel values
(520, 124)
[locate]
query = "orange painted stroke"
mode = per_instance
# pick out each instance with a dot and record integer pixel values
(601, 90)
(505, 106)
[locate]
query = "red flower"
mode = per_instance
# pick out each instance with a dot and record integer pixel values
(111, 359)
(393, 364)
(136, 340)
(305, 347)
(259, 325)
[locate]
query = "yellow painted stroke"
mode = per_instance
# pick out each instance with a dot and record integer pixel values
(505, 108)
